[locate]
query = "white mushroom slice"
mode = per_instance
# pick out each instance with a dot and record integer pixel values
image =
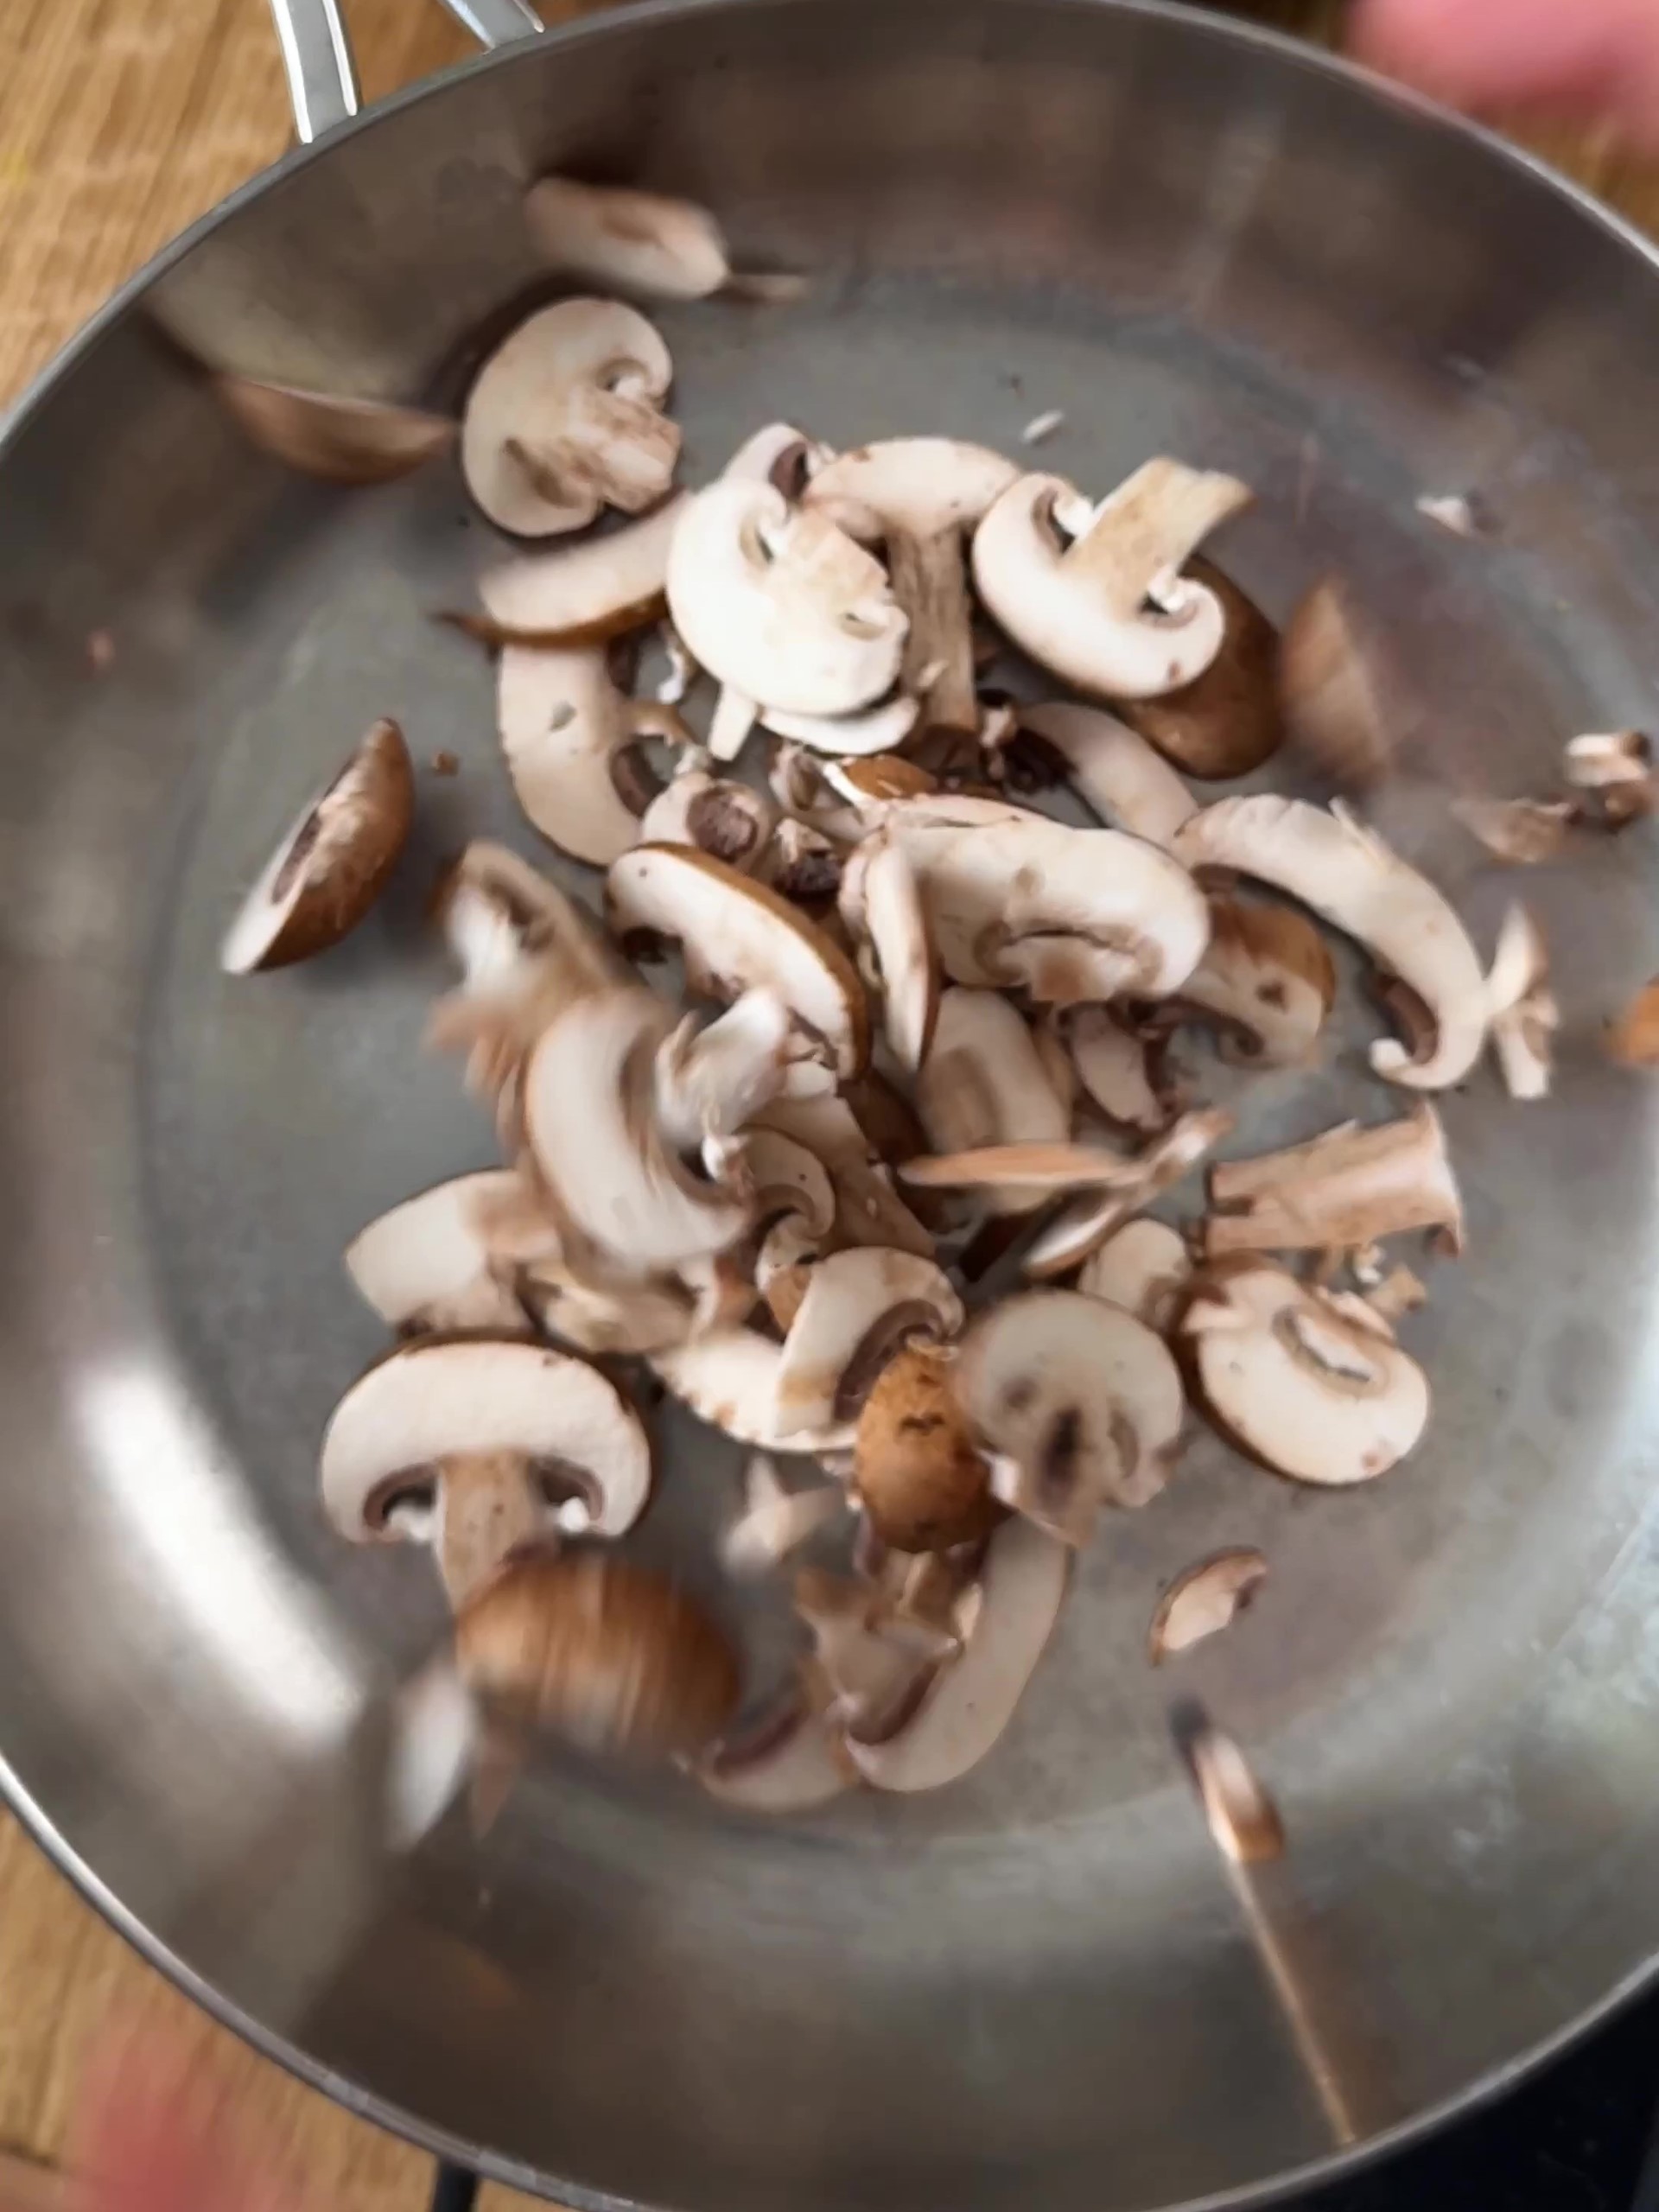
(1524, 1013)
(1045, 1167)
(785, 1178)
(881, 903)
(604, 1321)
(868, 1210)
(1604, 760)
(1352, 879)
(1267, 977)
(565, 734)
(880, 729)
(1144, 1268)
(708, 1080)
(640, 241)
(566, 417)
(983, 1083)
(1080, 1403)
(584, 594)
(1084, 1225)
(874, 1660)
(972, 1700)
(340, 440)
(588, 1119)
(735, 714)
(781, 604)
(1339, 1190)
(462, 1441)
(1112, 1064)
(1113, 770)
(737, 935)
(1521, 830)
(1095, 593)
(918, 496)
(1332, 690)
(729, 1378)
(733, 821)
(333, 864)
(779, 454)
(776, 1521)
(1305, 1390)
(1203, 1600)
(860, 1307)
(793, 1763)
(426, 1265)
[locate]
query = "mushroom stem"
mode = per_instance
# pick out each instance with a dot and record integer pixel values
(930, 581)
(488, 1504)
(1341, 1189)
(1141, 535)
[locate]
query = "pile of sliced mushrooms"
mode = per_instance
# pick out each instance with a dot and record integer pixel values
(842, 1108)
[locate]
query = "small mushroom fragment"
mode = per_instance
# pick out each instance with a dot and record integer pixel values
(341, 441)
(776, 1521)
(730, 820)
(1113, 769)
(779, 454)
(1145, 1268)
(971, 1699)
(583, 594)
(802, 864)
(791, 1763)
(710, 1080)
(1617, 766)
(566, 419)
(1226, 721)
(881, 903)
(737, 935)
(467, 1442)
(641, 242)
(1454, 511)
(874, 729)
(922, 1480)
(780, 604)
(333, 864)
(983, 1083)
(868, 1210)
(1095, 593)
(1337, 1191)
(860, 1306)
(569, 736)
(1521, 830)
(607, 1320)
(1082, 1225)
(729, 1378)
(1524, 1013)
(1079, 1404)
(1045, 1167)
(427, 1266)
(1114, 1064)
(1633, 1038)
(1399, 1293)
(874, 1660)
(1241, 1816)
(918, 496)
(1203, 1600)
(594, 1648)
(1266, 979)
(1297, 1385)
(1333, 687)
(1352, 879)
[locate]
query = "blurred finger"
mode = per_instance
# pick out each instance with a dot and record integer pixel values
(153, 2136)
(1582, 58)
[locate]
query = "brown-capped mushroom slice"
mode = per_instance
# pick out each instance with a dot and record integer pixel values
(1241, 1816)
(464, 1442)
(780, 604)
(983, 1083)
(918, 496)
(1043, 1168)
(1633, 1038)
(1523, 830)
(792, 1762)
(568, 735)
(1095, 593)
(341, 441)
(1203, 1599)
(426, 1265)
(1524, 1013)
(881, 904)
(1226, 721)
(923, 1482)
(1113, 769)
(1266, 979)
(1079, 1404)
(717, 815)
(729, 1379)
(711, 1079)
(1303, 1389)
(1082, 1225)
(971, 1699)
(1114, 1063)
(566, 419)
(860, 1307)
(737, 935)
(869, 1209)
(333, 863)
(1337, 1191)
(587, 594)
(594, 1648)
(874, 729)
(786, 1178)
(1351, 879)
(776, 1521)
(1334, 689)
(1145, 1268)
(643, 242)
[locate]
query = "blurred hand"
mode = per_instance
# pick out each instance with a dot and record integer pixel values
(1585, 59)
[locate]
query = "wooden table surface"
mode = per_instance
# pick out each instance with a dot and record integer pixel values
(120, 120)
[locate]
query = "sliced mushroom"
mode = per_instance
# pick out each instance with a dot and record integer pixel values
(1095, 593)
(607, 1321)
(874, 1660)
(333, 864)
(860, 1306)
(779, 454)
(1113, 769)
(737, 935)
(568, 735)
(341, 441)
(642, 242)
(1082, 1226)
(587, 594)
(465, 1442)
(844, 737)
(427, 1264)
(1521, 830)
(868, 1210)
(709, 1080)
(881, 903)
(983, 1083)
(1017, 1167)
(923, 1483)
(1352, 879)
(1524, 1013)
(793, 1762)
(729, 1378)
(971, 1701)
(1203, 1600)
(918, 496)
(1617, 766)
(1145, 1268)
(781, 604)
(733, 821)
(1226, 721)
(1337, 1191)
(1241, 1816)
(1080, 1404)
(1333, 688)
(776, 1521)
(1115, 1065)
(802, 864)
(566, 419)
(1303, 1389)
(1633, 1038)
(591, 1648)
(1266, 979)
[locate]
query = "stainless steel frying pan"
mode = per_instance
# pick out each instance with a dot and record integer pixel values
(1034, 1989)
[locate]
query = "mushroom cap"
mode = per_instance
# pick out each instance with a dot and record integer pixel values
(426, 1264)
(983, 1083)
(1145, 1268)
(333, 863)
(1113, 769)
(338, 440)
(565, 417)
(921, 1477)
(919, 485)
(881, 902)
(860, 1306)
(642, 242)
(465, 1396)
(563, 724)
(781, 605)
(1226, 721)
(729, 1378)
(1296, 1384)
(581, 594)
(737, 935)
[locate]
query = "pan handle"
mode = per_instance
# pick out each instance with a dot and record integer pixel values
(323, 83)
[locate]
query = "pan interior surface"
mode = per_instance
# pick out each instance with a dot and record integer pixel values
(1037, 1986)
